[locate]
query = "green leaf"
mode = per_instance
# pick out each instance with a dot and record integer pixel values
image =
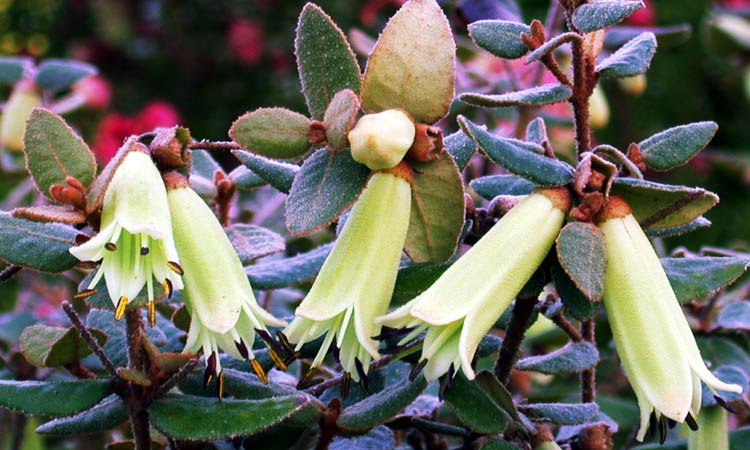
(204, 165)
(289, 271)
(491, 186)
(108, 414)
(474, 407)
(536, 96)
(414, 279)
(597, 15)
(550, 46)
(413, 64)
(665, 36)
(498, 444)
(500, 37)
(660, 206)
(722, 351)
(693, 278)
(560, 413)
(461, 147)
(12, 68)
(245, 179)
(735, 316)
(700, 222)
(46, 346)
(39, 246)
(54, 151)
(52, 398)
(577, 304)
(633, 58)
(381, 406)
(581, 252)
(57, 74)
(339, 118)
(572, 358)
(380, 438)
(437, 210)
(675, 146)
(327, 184)
(325, 61)
(278, 174)
(536, 168)
(728, 374)
(51, 213)
(252, 242)
(536, 131)
(497, 392)
(272, 132)
(200, 418)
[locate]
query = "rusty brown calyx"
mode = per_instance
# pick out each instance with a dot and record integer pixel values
(316, 135)
(615, 208)
(428, 143)
(401, 170)
(175, 180)
(559, 196)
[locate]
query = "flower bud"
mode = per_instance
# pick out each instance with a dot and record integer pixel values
(381, 140)
(598, 108)
(634, 85)
(25, 97)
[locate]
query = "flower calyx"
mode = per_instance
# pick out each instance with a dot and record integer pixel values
(428, 143)
(169, 148)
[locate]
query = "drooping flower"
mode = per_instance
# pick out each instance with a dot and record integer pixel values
(135, 243)
(25, 97)
(223, 311)
(356, 282)
(466, 301)
(652, 335)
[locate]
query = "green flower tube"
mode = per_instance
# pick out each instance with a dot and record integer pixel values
(223, 311)
(466, 301)
(135, 242)
(356, 282)
(712, 430)
(653, 338)
(25, 97)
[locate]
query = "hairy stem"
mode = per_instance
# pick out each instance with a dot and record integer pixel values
(137, 398)
(141, 429)
(90, 340)
(509, 349)
(582, 88)
(9, 271)
(588, 377)
(216, 145)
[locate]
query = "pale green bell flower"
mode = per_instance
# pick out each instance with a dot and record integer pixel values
(223, 311)
(356, 282)
(381, 140)
(135, 242)
(652, 335)
(461, 307)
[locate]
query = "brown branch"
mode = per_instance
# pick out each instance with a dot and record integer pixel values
(89, 338)
(565, 325)
(509, 349)
(588, 377)
(175, 378)
(8, 272)
(582, 89)
(214, 145)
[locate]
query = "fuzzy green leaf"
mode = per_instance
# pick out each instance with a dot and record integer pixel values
(39, 246)
(500, 37)
(475, 408)
(325, 61)
(536, 96)
(52, 398)
(735, 316)
(461, 147)
(339, 118)
(379, 438)
(675, 146)
(278, 174)
(289, 271)
(106, 415)
(491, 186)
(327, 184)
(665, 36)
(560, 413)
(597, 15)
(536, 168)
(550, 46)
(204, 165)
(693, 278)
(381, 406)
(700, 222)
(660, 206)
(580, 250)
(252, 242)
(54, 151)
(245, 179)
(414, 279)
(572, 358)
(12, 68)
(413, 64)
(576, 303)
(46, 346)
(497, 391)
(633, 58)
(437, 210)
(272, 132)
(201, 418)
(536, 131)
(58, 74)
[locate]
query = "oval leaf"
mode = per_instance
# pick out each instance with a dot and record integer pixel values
(580, 250)
(474, 407)
(46, 346)
(35, 245)
(339, 118)
(252, 242)
(597, 15)
(461, 147)
(560, 413)
(325, 61)
(575, 302)
(735, 316)
(437, 210)
(633, 58)
(273, 132)
(12, 68)
(413, 65)
(106, 415)
(245, 179)
(491, 186)
(289, 271)
(382, 406)
(536, 96)
(665, 36)
(572, 358)
(202, 418)
(54, 151)
(675, 146)
(327, 184)
(58, 74)
(549, 46)
(700, 222)
(278, 174)
(52, 398)
(536, 131)
(536, 168)
(500, 37)
(693, 278)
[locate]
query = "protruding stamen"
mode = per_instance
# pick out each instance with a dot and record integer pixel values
(221, 384)
(723, 403)
(211, 362)
(111, 246)
(288, 349)
(242, 348)
(363, 380)
(278, 362)
(258, 369)
(152, 313)
(662, 430)
(167, 286)
(176, 268)
(87, 264)
(274, 349)
(387, 332)
(652, 424)
(144, 251)
(307, 378)
(346, 383)
(122, 305)
(446, 382)
(672, 423)
(416, 370)
(84, 294)
(690, 421)
(208, 375)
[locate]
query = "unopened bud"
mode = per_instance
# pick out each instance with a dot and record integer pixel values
(25, 97)
(381, 140)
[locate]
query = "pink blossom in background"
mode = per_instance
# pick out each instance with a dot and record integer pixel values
(369, 13)
(157, 114)
(644, 17)
(735, 4)
(96, 90)
(246, 41)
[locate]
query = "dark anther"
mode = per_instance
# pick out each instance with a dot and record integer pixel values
(662, 430)
(274, 348)
(652, 424)
(723, 403)
(208, 374)
(84, 294)
(242, 348)
(220, 382)
(277, 360)
(176, 268)
(111, 246)
(258, 369)
(672, 423)
(168, 287)
(416, 370)
(288, 349)
(445, 382)
(690, 421)
(305, 381)
(346, 384)
(144, 251)
(87, 264)
(387, 332)
(362, 375)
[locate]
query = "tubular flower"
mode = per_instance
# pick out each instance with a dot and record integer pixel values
(653, 338)
(356, 282)
(223, 310)
(135, 243)
(25, 97)
(466, 301)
